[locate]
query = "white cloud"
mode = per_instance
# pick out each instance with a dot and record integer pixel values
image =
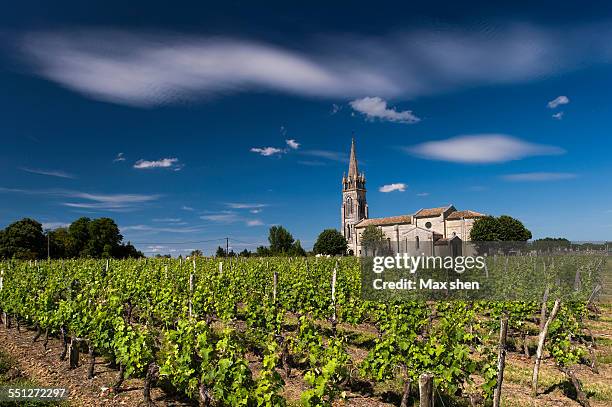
(558, 115)
(221, 217)
(50, 173)
(326, 154)
(255, 210)
(292, 144)
(558, 101)
(335, 109)
(109, 202)
(154, 229)
(376, 108)
(120, 157)
(85, 200)
(161, 163)
(54, 225)
(187, 208)
(146, 69)
(539, 176)
(482, 148)
(401, 187)
(254, 222)
(167, 220)
(423, 194)
(242, 205)
(267, 151)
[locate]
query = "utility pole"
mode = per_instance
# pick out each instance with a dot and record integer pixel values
(227, 246)
(48, 245)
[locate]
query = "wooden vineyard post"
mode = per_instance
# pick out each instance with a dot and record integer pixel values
(191, 276)
(501, 358)
(73, 353)
(274, 292)
(426, 390)
(542, 339)
(334, 320)
(543, 310)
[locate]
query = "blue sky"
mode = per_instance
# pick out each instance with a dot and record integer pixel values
(188, 124)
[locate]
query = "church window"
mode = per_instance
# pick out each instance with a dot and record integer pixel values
(428, 225)
(417, 242)
(349, 206)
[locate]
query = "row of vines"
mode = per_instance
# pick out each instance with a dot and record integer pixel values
(231, 333)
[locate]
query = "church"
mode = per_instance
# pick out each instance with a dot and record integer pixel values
(431, 227)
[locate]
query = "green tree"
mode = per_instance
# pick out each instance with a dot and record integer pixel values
(331, 242)
(60, 243)
(281, 241)
(262, 251)
(23, 239)
(220, 252)
(79, 236)
(550, 243)
(104, 238)
(196, 253)
(502, 229)
(127, 250)
(297, 250)
(371, 238)
(245, 253)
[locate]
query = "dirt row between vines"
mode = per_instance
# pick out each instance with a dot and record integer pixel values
(45, 368)
(48, 370)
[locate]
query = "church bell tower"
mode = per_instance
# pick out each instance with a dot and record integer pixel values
(354, 205)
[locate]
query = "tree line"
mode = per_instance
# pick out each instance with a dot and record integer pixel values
(85, 237)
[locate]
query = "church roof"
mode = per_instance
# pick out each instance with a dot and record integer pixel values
(391, 220)
(353, 170)
(427, 212)
(467, 214)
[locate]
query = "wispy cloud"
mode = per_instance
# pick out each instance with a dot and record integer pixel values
(291, 143)
(187, 208)
(167, 220)
(120, 157)
(229, 217)
(335, 109)
(243, 205)
(558, 101)
(376, 108)
(482, 148)
(422, 194)
(172, 163)
(267, 151)
(311, 163)
(86, 200)
(558, 115)
(54, 225)
(539, 176)
(222, 217)
(146, 69)
(401, 187)
(164, 229)
(327, 154)
(50, 173)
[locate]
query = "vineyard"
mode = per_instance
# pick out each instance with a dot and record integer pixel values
(281, 331)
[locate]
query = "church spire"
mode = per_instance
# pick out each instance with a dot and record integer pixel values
(353, 170)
